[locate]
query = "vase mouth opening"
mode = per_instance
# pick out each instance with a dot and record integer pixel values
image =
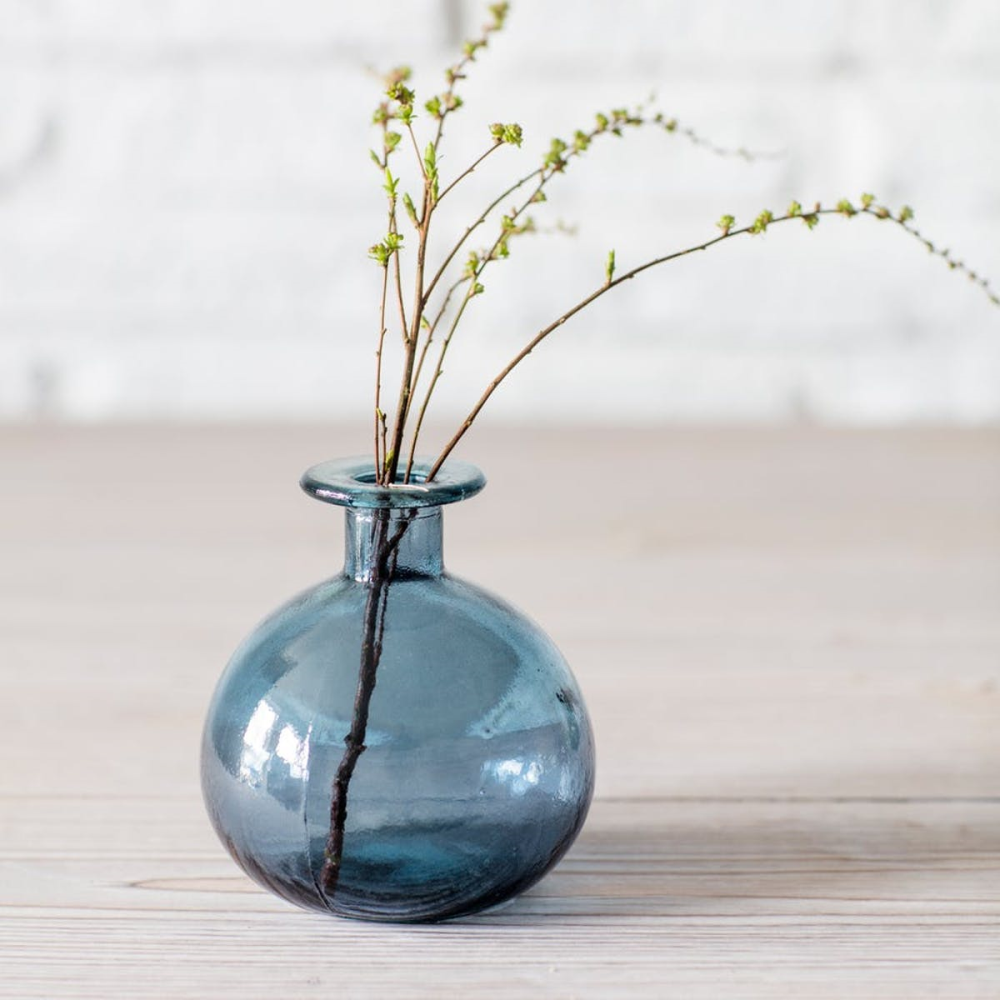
(350, 482)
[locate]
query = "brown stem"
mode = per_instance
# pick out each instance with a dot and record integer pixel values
(379, 419)
(438, 372)
(669, 126)
(431, 329)
(416, 383)
(416, 149)
(468, 170)
(399, 283)
(469, 230)
(420, 298)
(385, 552)
(469, 295)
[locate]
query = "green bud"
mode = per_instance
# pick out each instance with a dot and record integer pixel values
(726, 223)
(400, 93)
(411, 209)
(867, 200)
(510, 133)
(761, 223)
(794, 209)
(905, 213)
(846, 208)
(554, 157)
(499, 12)
(609, 267)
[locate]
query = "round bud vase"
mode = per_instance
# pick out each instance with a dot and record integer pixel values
(395, 743)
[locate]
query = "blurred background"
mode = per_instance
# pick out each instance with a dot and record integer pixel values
(186, 201)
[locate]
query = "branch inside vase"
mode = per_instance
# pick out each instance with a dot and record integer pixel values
(383, 556)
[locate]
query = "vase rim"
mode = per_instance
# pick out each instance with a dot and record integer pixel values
(349, 482)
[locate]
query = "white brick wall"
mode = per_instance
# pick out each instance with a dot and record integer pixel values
(186, 199)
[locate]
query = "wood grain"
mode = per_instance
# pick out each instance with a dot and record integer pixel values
(789, 641)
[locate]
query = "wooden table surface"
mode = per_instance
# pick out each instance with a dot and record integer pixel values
(789, 641)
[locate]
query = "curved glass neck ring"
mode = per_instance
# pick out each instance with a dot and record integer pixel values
(406, 516)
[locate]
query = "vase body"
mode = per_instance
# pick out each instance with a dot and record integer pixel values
(396, 743)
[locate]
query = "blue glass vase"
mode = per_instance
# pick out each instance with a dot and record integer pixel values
(395, 743)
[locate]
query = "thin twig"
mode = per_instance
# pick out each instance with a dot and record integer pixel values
(638, 118)
(490, 255)
(874, 211)
(468, 170)
(406, 383)
(469, 230)
(399, 289)
(416, 149)
(379, 419)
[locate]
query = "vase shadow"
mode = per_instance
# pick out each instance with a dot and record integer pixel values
(777, 856)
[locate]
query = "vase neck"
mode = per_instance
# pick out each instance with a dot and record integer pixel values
(411, 540)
